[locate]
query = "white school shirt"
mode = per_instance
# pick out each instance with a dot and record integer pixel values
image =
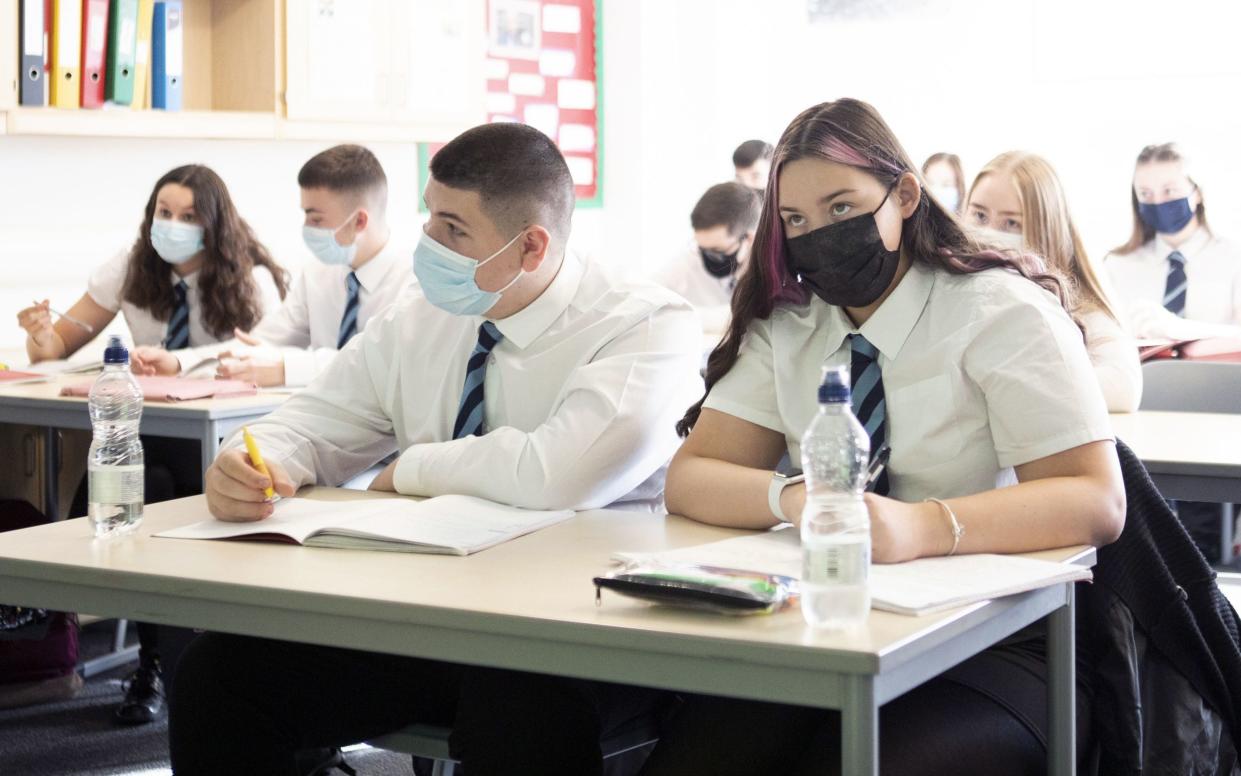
(981, 373)
(581, 398)
(107, 282)
(710, 296)
(1114, 356)
(1213, 271)
(305, 328)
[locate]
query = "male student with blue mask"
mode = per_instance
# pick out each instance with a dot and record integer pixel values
(517, 373)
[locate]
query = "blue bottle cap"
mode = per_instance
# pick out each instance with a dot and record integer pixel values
(835, 388)
(115, 353)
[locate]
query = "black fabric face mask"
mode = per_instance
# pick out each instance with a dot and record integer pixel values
(845, 264)
(719, 265)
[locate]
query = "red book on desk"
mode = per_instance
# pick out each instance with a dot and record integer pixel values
(176, 389)
(11, 377)
(94, 51)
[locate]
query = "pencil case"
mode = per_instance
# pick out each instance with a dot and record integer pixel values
(724, 591)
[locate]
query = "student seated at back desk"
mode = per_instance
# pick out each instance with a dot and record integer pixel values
(752, 164)
(1017, 203)
(513, 373)
(945, 180)
(974, 374)
(1174, 278)
(195, 273)
(359, 272)
(723, 222)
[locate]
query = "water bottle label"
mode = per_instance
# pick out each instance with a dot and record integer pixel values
(116, 484)
(843, 563)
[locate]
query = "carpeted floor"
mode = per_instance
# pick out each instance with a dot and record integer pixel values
(78, 736)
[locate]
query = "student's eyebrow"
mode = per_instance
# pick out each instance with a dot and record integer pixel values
(451, 217)
(1010, 213)
(834, 194)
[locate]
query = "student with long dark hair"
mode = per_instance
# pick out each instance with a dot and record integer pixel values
(984, 392)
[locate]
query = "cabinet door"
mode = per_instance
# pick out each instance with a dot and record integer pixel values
(438, 50)
(338, 60)
(22, 475)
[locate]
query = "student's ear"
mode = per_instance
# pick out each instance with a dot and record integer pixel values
(361, 220)
(534, 245)
(907, 194)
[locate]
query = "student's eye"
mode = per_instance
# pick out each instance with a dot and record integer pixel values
(979, 217)
(164, 213)
(840, 208)
(1012, 226)
(189, 218)
(453, 230)
(795, 220)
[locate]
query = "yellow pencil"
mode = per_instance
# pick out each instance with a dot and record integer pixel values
(256, 458)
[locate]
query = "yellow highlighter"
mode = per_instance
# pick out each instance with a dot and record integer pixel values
(256, 458)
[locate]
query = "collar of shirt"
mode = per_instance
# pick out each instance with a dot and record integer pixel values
(372, 273)
(191, 280)
(1190, 248)
(890, 325)
(524, 326)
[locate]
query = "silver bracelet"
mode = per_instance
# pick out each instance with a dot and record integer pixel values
(957, 529)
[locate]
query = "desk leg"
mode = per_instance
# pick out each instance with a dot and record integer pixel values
(859, 723)
(1225, 533)
(1062, 687)
(209, 445)
(51, 473)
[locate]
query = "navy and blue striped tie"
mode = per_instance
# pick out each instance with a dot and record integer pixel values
(1174, 292)
(470, 411)
(349, 321)
(868, 401)
(177, 335)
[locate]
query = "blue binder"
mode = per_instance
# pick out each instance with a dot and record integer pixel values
(167, 45)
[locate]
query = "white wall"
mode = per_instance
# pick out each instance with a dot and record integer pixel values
(1086, 83)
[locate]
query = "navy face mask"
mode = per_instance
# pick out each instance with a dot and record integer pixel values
(1166, 217)
(719, 264)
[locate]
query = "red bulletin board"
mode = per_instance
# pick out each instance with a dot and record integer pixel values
(543, 68)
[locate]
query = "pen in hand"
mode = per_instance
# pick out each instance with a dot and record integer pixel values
(81, 324)
(256, 458)
(877, 465)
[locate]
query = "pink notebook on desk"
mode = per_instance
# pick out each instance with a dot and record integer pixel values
(176, 389)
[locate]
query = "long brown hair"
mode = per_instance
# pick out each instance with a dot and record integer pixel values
(847, 132)
(230, 298)
(1142, 234)
(1047, 227)
(958, 174)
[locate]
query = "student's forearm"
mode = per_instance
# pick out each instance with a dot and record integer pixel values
(53, 349)
(722, 493)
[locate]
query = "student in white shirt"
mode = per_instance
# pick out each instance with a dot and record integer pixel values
(965, 362)
(195, 273)
(1175, 278)
(723, 220)
(514, 373)
(752, 164)
(359, 272)
(945, 180)
(1017, 202)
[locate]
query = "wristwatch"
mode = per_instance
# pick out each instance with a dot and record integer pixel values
(780, 481)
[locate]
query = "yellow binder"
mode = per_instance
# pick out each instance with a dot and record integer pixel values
(142, 58)
(65, 87)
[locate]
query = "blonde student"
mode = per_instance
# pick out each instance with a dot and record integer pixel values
(1174, 277)
(514, 372)
(1017, 201)
(963, 360)
(195, 273)
(358, 271)
(723, 220)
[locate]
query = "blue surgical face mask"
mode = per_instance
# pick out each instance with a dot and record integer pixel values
(322, 243)
(447, 277)
(176, 242)
(1167, 217)
(948, 196)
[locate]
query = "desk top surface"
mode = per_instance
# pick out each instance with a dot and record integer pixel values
(1191, 442)
(46, 394)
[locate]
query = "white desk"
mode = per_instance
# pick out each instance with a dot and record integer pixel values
(206, 420)
(530, 605)
(1194, 456)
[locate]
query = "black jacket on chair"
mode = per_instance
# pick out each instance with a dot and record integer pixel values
(1162, 645)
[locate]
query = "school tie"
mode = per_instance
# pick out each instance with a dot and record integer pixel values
(178, 333)
(349, 321)
(1174, 291)
(868, 401)
(470, 412)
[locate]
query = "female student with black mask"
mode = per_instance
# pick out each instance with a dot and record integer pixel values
(1175, 277)
(985, 394)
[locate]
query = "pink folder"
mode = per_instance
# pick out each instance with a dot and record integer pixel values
(176, 389)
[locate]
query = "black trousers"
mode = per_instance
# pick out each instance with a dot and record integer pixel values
(246, 705)
(987, 716)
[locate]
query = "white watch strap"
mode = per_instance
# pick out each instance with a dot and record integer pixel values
(778, 484)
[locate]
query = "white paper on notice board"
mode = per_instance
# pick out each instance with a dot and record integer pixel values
(501, 102)
(562, 18)
(495, 69)
(576, 137)
(582, 168)
(526, 84)
(543, 117)
(575, 94)
(557, 63)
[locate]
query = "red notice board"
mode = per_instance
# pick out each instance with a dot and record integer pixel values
(543, 68)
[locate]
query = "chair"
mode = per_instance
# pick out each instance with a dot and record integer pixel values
(1196, 386)
(430, 742)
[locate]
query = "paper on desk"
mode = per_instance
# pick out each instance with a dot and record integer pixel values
(918, 587)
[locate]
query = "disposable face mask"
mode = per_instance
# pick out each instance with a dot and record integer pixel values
(948, 196)
(176, 242)
(1166, 217)
(719, 264)
(447, 277)
(322, 243)
(845, 263)
(995, 237)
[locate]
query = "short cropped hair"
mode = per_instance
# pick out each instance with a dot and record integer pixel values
(750, 152)
(727, 204)
(516, 170)
(346, 169)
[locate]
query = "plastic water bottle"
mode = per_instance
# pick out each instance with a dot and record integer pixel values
(835, 525)
(115, 466)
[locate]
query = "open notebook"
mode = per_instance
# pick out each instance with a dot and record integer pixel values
(175, 388)
(922, 586)
(444, 525)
